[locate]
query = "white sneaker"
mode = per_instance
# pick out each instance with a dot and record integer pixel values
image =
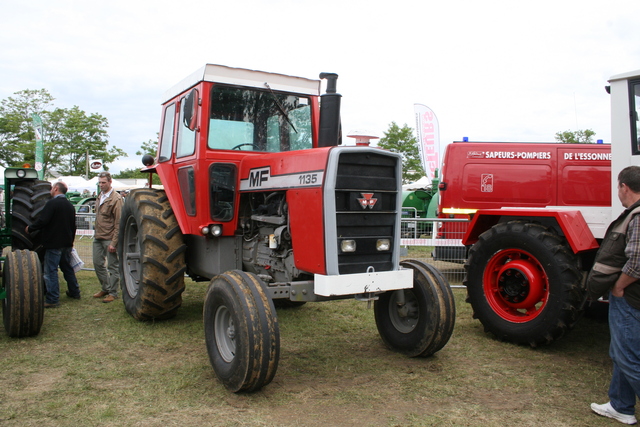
(606, 410)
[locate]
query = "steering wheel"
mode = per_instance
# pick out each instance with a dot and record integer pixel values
(255, 147)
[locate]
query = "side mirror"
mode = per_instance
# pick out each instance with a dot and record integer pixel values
(189, 108)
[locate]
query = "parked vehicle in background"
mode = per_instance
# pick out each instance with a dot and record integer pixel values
(527, 265)
(495, 175)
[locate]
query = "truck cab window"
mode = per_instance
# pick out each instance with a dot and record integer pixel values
(635, 115)
(258, 120)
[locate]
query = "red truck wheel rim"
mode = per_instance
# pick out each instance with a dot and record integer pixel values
(515, 285)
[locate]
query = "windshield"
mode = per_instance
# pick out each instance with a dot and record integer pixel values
(258, 120)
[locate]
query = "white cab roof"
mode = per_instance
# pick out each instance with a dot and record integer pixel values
(244, 77)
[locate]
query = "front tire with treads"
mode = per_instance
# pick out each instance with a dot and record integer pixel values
(241, 331)
(152, 260)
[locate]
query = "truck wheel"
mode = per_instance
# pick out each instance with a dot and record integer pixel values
(423, 323)
(29, 197)
(151, 251)
(23, 306)
(524, 283)
(241, 331)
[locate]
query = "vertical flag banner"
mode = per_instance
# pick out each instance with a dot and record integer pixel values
(37, 127)
(428, 131)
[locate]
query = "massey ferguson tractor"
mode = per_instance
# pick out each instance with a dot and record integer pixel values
(260, 200)
(526, 266)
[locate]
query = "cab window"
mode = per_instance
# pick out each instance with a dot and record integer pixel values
(187, 126)
(258, 120)
(166, 140)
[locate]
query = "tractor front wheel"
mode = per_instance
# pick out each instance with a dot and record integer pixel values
(241, 331)
(23, 305)
(417, 321)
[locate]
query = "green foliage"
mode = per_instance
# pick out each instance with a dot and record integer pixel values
(136, 174)
(577, 137)
(149, 147)
(403, 141)
(69, 135)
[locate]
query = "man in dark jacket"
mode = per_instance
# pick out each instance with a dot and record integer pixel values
(57, 223)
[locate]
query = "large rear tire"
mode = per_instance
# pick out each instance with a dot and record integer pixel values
(241, 331)
(417, 321)
(151, 251)
(524, 283)
(29, 197)
(23, 306)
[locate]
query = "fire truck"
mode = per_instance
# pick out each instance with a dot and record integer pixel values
(526, 266)
(260, 200)
(490, 175)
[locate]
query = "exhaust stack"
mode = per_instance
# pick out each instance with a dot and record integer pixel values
(330, 126)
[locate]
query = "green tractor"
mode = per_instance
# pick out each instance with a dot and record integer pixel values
(22, 285)
(419, 203)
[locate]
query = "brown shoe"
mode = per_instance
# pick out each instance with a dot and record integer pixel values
(109, 298)
(100, 294)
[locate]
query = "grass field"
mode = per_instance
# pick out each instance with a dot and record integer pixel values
(93, 365)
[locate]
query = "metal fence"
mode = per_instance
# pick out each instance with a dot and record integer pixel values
(436, 241)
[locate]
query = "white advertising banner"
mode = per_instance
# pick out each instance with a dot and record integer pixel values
(428, 132)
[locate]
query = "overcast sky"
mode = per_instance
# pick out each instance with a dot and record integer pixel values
(490, 70)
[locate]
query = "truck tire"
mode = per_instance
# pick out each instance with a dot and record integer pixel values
(29, 197)
(524, 283)
(151, 251)
(241, 331)
(23, 306)
(424, 323)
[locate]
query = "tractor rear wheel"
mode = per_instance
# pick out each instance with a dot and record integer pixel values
(29, 197)
(417, 321)
(524, 283)
(241, 331)
(151, 252)
(23, 306)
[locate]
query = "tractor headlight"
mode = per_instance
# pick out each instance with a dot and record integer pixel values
(348, 246)
(216, 230)
(383, 244)
(21, 173)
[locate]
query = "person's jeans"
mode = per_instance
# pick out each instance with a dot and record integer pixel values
(624, 324)
(52, 259)
(107, 267)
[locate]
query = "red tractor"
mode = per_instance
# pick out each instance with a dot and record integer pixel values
(261, 201)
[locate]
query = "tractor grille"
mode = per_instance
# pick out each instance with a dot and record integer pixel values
(366, 196)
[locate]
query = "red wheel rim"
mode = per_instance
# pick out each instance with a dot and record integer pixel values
(515, 285)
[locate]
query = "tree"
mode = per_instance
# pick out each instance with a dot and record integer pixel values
(577, 137)
(402, 141)
(69, 135)
(149, 147)
(15, 123)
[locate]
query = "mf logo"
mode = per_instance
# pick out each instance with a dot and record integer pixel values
(258, 176)
(367, 200)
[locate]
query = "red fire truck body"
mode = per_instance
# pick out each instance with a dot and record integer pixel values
(495, 175)
(538, 212)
